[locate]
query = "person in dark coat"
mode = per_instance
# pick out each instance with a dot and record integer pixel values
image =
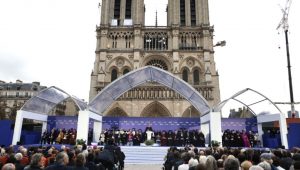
(36, 162)
(108, 157)
(120, 158)
(61, 162)
(80, 162)
(170, 138)
(90, 163)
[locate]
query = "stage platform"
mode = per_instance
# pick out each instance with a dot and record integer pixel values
(135, 155)
(144, 154)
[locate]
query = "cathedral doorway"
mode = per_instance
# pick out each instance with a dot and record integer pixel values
(155, 109)
(117, 112)
(191, 112)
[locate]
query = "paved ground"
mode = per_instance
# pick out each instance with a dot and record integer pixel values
(143, 167)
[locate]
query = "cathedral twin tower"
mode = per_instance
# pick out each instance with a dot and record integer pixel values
(184, 48)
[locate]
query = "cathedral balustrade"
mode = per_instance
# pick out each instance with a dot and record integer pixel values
(155, 39)
(161, 93)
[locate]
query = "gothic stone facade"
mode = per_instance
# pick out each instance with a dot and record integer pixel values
(184, 47)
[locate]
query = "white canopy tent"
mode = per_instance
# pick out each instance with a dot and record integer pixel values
(261, 107)
(133, 79)
(39, 107)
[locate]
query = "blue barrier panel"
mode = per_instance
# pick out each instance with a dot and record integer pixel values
(62, 122)
(30, 137)
(161, 123)
(239, 124)
(158, 124)
(6, 132)
(293, 135)
(271, 141)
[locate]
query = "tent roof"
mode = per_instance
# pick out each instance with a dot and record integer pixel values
(256, 102)
(140, 76)
(48, 98)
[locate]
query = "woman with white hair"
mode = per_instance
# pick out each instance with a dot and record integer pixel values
(202, 159)
(193, 163)
(18, 157)
(8, 166)
(211, 163)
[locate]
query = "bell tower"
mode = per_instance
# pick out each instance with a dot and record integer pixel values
(122, 13)
(188, 13)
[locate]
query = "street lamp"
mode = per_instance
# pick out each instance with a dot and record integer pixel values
(220, 43)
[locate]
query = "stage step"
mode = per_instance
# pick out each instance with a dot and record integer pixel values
(144, 154)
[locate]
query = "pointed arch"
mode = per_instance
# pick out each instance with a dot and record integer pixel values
(119, 61)
(155, 109)
(196, 77)
(114, 74)
(185, 74)
(117, 112)
(191, 112)
(125, 70)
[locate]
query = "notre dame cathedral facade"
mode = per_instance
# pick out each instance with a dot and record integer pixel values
(184, 48)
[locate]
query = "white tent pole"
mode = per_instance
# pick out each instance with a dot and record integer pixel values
(18, 127)
(260, 133)
(83, 125)
(216, 127)
(283, 131)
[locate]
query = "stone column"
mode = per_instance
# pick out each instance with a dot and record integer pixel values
(175, 12)
(198, 12)
(207, 66)
(105, 12)
(187, 12)
(122, 11)
(138, 12)
(205, 12)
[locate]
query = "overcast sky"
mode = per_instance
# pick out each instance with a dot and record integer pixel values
(53, 42)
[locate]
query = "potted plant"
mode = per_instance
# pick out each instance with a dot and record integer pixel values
(149, 142)
(80, 142)
(215, 143)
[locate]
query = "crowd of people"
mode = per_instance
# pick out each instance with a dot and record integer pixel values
(236, 138)
(133, 137)
(81, 157)
(190, 158)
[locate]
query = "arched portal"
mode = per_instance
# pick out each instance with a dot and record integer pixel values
(155, 109)
(191, 112)
(117, 112)
(140, 76)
